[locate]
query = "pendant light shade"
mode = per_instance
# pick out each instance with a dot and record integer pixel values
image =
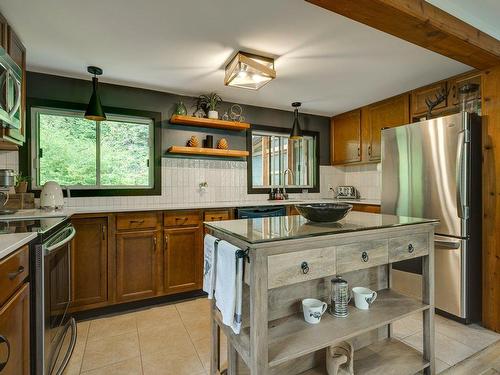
(296, 130)
(94, 109)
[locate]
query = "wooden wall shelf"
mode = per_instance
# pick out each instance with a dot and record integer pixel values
(209, 123)
(207, 152)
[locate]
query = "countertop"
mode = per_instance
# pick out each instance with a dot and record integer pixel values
(67, 212)
(278, 228)
(13, 241)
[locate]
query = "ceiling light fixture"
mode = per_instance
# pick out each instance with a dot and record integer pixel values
(249, 71)
(94, 109)
(296, 130)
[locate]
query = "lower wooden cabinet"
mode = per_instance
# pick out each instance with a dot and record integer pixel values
(183, 254)
(136, 264)
(15, 333)
(366, 208)
(89, 258)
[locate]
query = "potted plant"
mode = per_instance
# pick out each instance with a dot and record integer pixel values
(209, 103)
(22, 183)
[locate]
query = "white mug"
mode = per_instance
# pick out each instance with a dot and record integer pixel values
(363, 297)
(313, 310)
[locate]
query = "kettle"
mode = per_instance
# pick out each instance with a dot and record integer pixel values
(51, 197)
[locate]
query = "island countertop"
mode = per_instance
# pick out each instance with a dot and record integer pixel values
(259, 230)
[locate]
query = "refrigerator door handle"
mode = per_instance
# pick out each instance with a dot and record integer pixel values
(447, 243)
(460, 176)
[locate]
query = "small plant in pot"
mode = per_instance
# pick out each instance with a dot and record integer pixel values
(22, 183)
(209, 103)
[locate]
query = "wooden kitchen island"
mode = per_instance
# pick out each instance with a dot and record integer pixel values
(275, 339)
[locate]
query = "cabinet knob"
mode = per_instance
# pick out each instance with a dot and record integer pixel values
(305, 267)
(411, 249)
(364, 256)
(13, 275)
(3, 363)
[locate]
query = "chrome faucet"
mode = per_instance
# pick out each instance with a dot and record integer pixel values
(285, 172)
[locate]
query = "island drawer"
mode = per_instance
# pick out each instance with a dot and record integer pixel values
(291, 268)
(13, 271)
(406, 247)
(181, 218)
(136, 220)
(216, 215)
(360, 255)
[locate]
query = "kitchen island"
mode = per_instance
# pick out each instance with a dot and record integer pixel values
(290, 259)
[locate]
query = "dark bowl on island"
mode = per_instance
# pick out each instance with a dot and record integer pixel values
(324, 212)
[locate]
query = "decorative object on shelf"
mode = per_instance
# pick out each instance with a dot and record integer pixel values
(236, 113)
(180, 108)
(22, 183)
(94, 110)
(363, 297)
(209, 141)
(340, 359)
(469, 98)
(225, 116)
(296, 129)
(313, 310)
(340, 297)
(193, 141)
(440, 97)
(222, 144)
(249, 71)
(209, 103)
(199, 113)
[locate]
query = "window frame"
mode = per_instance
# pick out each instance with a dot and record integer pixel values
(260, 129)
(28, 158)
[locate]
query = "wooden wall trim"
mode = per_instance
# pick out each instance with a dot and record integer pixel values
(491, 198)
(423, 24)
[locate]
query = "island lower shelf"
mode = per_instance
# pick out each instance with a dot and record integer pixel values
(388, 357)
(291, 337)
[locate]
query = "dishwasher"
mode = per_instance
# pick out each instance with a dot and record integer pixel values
(260, 211)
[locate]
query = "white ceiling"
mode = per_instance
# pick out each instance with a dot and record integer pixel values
(328, 62)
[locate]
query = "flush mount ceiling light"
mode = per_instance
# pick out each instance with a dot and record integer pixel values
(249, 71)
(296, 130)
(94, 109)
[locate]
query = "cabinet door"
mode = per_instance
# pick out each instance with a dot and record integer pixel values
(15, 332)
(17, 52)
(3, 32)
(89, 258)
(387, 114)
(183, 259)
(418, 96)
(458, 82)
(136, 264)
(346, 138)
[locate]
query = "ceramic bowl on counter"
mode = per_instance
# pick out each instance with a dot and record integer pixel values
(324, 212)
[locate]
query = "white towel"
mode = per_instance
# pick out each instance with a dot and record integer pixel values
(209, 264)
(229, 285)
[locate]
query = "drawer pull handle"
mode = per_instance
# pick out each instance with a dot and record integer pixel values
(305, 267)
(3, 340)
(136, 221)
(364, 256)
(411, 249)
(13, 275)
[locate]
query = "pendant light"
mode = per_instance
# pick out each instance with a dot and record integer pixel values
(296, 130)
(94, 109)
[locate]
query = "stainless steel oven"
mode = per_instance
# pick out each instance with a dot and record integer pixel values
(10, 91)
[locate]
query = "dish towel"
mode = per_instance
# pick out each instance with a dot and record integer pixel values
(210, 243)
(229, 285)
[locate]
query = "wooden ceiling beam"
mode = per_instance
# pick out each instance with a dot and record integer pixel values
(423, 24)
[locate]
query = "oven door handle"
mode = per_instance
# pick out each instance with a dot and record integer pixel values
(66, 239)
(67, 356)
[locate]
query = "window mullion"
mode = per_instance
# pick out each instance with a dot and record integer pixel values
(98, 154)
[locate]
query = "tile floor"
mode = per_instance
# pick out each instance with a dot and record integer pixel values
(174, 340)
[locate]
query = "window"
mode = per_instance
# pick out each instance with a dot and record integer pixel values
(114, 154)
(276, 160)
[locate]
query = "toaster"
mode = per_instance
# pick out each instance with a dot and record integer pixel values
(347, 192)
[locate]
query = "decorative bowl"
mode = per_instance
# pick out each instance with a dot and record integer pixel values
(324, 212)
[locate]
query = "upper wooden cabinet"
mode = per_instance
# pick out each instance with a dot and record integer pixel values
(89, 259)
(418, 96)
(3, 32)
(375, 117)
(458, 82)
(345, 133)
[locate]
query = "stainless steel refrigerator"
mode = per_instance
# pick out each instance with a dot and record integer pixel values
(432, 169)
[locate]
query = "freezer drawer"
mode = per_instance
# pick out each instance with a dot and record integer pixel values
(450, 287)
